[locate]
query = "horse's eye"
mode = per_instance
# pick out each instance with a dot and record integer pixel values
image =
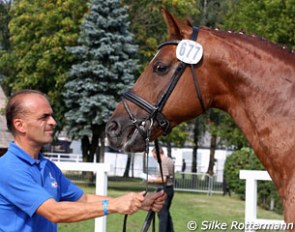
(161, 68)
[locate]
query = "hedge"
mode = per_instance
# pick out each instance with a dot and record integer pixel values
(245, 159)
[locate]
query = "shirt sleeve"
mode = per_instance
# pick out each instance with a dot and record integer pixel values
(69, 191)
(20, 189)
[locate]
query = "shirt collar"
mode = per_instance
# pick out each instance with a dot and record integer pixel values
(20, 153)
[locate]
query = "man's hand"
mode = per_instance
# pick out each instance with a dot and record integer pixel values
(154, 201)
(126, 204)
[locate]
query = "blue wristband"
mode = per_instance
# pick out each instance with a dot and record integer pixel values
(105, 207)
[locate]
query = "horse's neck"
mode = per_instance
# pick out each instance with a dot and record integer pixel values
(258, 92)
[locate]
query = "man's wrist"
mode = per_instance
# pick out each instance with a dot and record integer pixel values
(105, 207)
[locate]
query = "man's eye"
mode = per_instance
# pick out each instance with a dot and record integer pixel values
(46, 116)
(161, 68)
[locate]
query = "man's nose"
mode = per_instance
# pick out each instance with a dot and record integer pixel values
(52, 121)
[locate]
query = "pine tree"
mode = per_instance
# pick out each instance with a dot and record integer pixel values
(103, 70)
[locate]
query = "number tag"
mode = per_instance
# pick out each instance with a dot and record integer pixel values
(189, 51)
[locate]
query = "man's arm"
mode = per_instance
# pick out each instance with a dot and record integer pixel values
(88, 207)
(93, 198)
(153, 201)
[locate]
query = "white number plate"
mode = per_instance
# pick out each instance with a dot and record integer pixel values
(189, 51)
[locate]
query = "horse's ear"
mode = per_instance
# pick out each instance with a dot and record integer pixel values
(175, 27)
(189, 22)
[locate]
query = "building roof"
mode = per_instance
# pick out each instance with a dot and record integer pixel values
(5, 135)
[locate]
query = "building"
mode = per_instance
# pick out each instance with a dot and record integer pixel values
(5, 135)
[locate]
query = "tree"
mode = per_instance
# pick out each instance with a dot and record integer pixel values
(198, 132)
(128, 165)
(213, 127)
(39, 32)
(231, 136)
(148, 25)
(4, 21)
(177, 137)
(273, 20)
(103, 69)
(212, 12)
(5, 61)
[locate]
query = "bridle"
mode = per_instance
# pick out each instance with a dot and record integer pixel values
(144, 126)
(155, 111)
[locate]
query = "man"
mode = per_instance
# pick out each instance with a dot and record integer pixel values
(165, 219)
(34, 194)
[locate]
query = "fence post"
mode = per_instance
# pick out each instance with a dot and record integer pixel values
(251, 178)
(101, 189)
(101, 170)
(210, 185)
(251, 199)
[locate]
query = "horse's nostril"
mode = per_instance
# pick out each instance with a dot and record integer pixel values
(113, 128)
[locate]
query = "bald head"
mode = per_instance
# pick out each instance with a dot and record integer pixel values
(18, 106)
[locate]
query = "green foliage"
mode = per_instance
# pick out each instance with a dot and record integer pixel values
(39, 32)
(178, 136)
(245, 159)
(222, 125)
(199, 126)
(148, 25)
(212, 12)
(273, 19)
(4, 20)
(230, 134)
(238, 160)
(103, 69)
(35, 55)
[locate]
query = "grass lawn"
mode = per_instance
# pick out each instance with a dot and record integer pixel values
(185, 207)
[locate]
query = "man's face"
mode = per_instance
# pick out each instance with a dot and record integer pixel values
(38, 120)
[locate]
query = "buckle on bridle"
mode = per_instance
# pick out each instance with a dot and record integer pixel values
(153, 111)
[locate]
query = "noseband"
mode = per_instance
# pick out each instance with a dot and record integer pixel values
(154, 111)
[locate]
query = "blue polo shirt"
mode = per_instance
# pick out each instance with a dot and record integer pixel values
(25, 183)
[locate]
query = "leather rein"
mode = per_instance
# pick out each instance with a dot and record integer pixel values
(144, 126)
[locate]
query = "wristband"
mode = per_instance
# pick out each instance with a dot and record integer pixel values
(105, 207)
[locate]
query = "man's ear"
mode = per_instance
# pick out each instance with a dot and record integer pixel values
(19, 125)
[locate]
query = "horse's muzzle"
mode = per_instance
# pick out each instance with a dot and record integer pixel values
(123, 135)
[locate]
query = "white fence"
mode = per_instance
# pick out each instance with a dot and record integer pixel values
(101, 184)
(63, 157)
(251, 178)
(197, 182)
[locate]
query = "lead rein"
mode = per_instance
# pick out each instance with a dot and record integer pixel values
(151, 214)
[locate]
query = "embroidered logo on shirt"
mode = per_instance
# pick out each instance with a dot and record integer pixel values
(54, 184)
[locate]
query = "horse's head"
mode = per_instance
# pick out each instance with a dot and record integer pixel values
(152, 106)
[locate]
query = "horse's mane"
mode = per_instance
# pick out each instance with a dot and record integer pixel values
(253, 39)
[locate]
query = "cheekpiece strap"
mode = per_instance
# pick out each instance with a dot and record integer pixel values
(195, 33)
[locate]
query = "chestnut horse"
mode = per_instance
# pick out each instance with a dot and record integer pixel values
(251, 79)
